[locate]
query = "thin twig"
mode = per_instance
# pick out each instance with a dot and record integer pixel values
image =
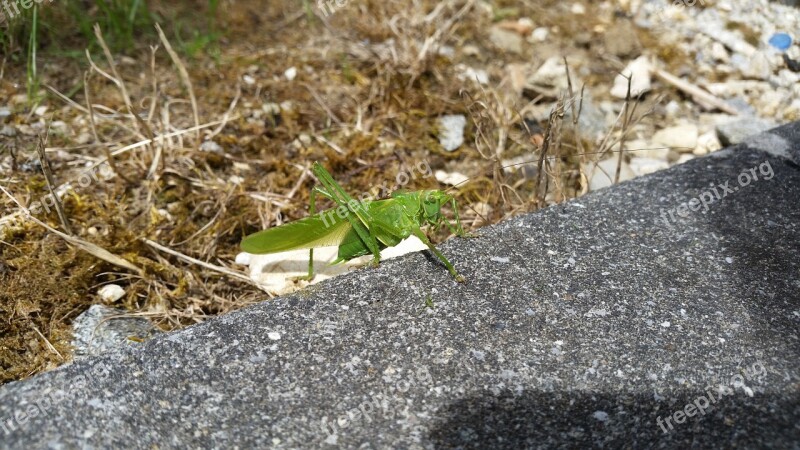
(323, 105)
(625, 122)
(184, 78)
(697, 93)
(46, 341)
(86, 80)
(48, 176)
(119, 81)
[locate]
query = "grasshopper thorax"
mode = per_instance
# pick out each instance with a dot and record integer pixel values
(424, 206)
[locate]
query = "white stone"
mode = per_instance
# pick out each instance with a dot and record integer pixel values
(274, 336)
(290, 73)
(468, 73)
(643, 165)
(450, 178)
(707, 143)
(646, 149)
(111, 293)
(758, 66)
(451, 131)
(540, 34)
(719, 53)
(639, 71)
(505, 39)
(552, 73)
(682, 138)
(210, 146)
(602, 173)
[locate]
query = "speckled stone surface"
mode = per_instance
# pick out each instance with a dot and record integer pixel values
(592, 323)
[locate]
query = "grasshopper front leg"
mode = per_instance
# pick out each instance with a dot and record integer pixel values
(356, 214)
(312, 210)
(458, 230)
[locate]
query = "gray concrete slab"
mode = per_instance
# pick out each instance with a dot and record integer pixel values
(619, 319)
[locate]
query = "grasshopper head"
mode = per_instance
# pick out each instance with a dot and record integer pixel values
(432, 203)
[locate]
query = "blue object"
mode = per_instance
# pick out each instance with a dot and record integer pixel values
(781, 41)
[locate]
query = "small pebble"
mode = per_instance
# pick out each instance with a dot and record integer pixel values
(111, 293)
(210, 146)
(451, 131)
(290, 73)
(273, 335)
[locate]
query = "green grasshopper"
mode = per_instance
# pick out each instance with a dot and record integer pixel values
(359, 228)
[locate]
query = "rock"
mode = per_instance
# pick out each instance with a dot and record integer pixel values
(97, 331)
(40, 111)
(539, 34)
(468, 73)
(641, 165)
(758, 66)
(592, 120)
(446, 51)
(719, 53)
(735, 131)
(522, 26)
(770, 103)
(639, 72)
(621, 39)
(59, 126)
(602, 174)
(707, 143)
(672, 109)
(577, 9)
(84, 138)
(508, 41)
(111, 293)
(290, 73)
(211, 146)
(682, 138)
(450, 178)
(470, 50)
(451, 131)
(550, 77)
(646, 149)
(4, 112)
(8, 131)
(516, 76)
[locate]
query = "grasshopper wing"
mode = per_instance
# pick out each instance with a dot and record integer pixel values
(310, 232)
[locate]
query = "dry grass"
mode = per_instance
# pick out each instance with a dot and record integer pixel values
(370, 83)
